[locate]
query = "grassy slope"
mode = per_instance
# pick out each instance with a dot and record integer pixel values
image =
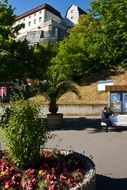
(89, 93)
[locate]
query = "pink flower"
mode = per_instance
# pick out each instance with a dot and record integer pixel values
(71, 182)
(30, 171)
(62, 177)
(9, 182)
(47, 154)
(52, 187)
(50, 177)
(58, 171)
(34, 181)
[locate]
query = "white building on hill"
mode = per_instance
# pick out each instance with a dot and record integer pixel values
(45, 23)
(72, 14)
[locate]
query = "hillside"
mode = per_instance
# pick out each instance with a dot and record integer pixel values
(90, 94)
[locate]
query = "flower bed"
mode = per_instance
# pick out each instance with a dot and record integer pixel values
(57, 170)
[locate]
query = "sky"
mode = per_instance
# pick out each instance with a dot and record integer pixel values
(21, 6)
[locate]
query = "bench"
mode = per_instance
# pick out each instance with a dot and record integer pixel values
(117, 121)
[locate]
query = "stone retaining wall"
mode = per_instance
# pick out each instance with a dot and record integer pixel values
(77, 109)
(72, 109)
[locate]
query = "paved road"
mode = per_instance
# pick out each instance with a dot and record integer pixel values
(109, 150)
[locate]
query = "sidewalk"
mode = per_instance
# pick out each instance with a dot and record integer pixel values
(109, 150)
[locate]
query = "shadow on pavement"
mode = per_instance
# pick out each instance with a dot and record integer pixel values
(107, 183)
(81, 123)
(78, 124)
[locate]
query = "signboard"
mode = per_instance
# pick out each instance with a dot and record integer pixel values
(3, 91)
(102, 84)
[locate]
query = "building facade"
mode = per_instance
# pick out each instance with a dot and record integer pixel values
(73, 13)
(45, 23)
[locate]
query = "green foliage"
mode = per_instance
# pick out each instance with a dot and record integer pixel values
(7, 30)
(22, 62)
(18, 63)
(43, 54)
(7, 19)
(54, 87)
(97, 44)
(25, 133)
(17, 59)
(73, 57)
(112, 34)
(7, 41)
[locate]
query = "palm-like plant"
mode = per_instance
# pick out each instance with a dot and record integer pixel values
(53, 88)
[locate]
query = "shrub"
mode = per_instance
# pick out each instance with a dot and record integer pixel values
(25, 132)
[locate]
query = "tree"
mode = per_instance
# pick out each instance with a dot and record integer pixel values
(23, 61)
(53, 88)
(112, 19)
(17, 59)
(76, 53)
(97, 44)
(7, 36)
(18, 63)
(43, 54)
(7, 29)
(72, 58)
(6, 21)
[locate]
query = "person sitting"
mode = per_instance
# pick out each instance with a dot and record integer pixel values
(105, 117)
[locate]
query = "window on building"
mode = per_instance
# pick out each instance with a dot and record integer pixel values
(72, 11)
(29, 23)
(71, 17)
(24, 19)
(34, 14)
(40, 19)
(124, 102)
(34, 21)
(29, 16)
(40, 12)
(115, 101)
(118, 102)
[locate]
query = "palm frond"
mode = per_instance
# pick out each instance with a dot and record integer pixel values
(65, 87)
(53, 88)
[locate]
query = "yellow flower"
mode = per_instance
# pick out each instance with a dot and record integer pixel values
(6, 186)
(3, 173)
(41, 172)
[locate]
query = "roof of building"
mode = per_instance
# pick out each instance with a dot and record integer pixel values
(81, 11)
(44, 6)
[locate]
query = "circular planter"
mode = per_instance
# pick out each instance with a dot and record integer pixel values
(55, 120)
(89, 182)
(89, 178)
